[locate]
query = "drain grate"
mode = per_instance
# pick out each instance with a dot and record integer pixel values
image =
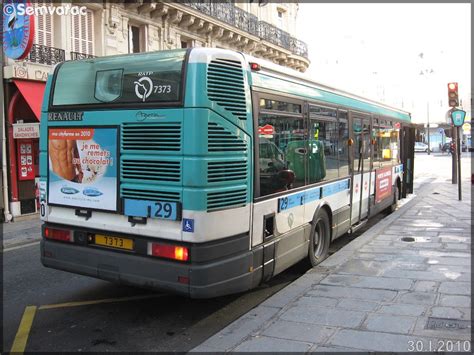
(408, 239)
(446, 323)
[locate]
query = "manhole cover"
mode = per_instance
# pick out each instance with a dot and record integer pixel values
(408, 239)
(446, 323)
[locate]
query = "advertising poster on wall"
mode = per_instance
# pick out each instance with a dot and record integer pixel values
(83, 167)
(383, 184)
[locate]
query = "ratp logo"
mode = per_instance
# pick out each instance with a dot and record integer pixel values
(143, 88)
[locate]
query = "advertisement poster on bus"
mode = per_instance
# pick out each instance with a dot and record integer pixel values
(83, 167)
(383, 184)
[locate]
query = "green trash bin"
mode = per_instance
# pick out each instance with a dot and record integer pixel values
(317, 161)
(295, 155)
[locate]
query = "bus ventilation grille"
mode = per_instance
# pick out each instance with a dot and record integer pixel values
(149, 194)
(226, 199)
(225, 86)
(151, 170)
(221, 140)
(222, 171)
(159, 136)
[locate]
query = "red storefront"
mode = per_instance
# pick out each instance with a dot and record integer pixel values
(23, 99)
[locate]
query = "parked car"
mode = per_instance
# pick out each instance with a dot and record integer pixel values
(421, 147)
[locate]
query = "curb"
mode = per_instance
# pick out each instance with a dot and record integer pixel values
(308, 279)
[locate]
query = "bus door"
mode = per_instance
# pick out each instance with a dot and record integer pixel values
(361, 153)
(407, 147)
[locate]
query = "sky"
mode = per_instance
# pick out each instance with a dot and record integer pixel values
(380, 50)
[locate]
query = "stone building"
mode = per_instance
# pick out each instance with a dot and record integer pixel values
(263, 29)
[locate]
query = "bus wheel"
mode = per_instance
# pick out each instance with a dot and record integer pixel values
(393, 206)
(320, 238)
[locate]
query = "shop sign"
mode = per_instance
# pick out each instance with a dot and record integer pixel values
(18, 29)
(26, 130)
(30, 72)
(26, 168)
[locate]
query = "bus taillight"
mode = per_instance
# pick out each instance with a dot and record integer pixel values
(174, 252)
(58, 234)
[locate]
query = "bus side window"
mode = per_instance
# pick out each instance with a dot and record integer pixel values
(282, 148)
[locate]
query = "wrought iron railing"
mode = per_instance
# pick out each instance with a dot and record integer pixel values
(229, 13)
(298, 47)
(46, 55)
(77, 56)
(273, 34)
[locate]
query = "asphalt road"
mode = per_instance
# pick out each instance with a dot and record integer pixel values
(147, 322)
(78, 313)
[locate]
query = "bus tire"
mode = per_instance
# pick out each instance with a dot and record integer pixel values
(320, 238)
(393, 206)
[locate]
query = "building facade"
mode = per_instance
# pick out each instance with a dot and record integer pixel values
(265, 30)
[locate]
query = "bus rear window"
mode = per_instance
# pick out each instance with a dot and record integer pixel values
(149, 77)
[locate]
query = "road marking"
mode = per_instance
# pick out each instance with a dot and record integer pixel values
(23, 332)
(105, 300)
(21, 337)
(20, 246)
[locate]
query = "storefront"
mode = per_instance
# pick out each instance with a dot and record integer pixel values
(23, 102)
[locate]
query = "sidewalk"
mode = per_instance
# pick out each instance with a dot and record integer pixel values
(21, 232)
(378, 293)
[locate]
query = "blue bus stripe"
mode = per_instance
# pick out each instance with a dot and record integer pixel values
(311, 195)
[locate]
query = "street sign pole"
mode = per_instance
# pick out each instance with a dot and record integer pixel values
(454, 178)
(457, 118)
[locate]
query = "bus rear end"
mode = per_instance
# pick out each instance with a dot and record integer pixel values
(146, 171)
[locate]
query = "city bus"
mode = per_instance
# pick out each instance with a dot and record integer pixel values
(205, 172)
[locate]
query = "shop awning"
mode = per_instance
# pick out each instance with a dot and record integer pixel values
(33, 93)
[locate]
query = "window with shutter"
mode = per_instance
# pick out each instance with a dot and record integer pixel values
(44, 26)
(82, 33)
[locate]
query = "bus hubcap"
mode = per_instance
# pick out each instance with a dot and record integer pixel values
(318, 239)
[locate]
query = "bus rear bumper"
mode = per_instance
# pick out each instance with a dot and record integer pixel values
(203, 280)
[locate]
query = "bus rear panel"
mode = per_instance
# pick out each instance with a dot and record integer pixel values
(143, 176)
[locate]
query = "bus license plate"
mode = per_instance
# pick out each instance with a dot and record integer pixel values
(152, 209)
(114, 242)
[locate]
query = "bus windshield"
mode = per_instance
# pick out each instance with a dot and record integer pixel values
(148, 77)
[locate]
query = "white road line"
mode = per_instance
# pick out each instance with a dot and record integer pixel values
(20, 246)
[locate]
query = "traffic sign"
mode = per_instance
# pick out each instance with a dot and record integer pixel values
(457, 117)
(266, 130)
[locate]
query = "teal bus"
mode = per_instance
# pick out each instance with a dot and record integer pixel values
(205, 171)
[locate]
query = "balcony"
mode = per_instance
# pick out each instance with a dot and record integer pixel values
(78, 56)
(236, 17)
(228, 13)
(46, 55)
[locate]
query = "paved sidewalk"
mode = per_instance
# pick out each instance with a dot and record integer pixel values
(378, 293)
(21, 232)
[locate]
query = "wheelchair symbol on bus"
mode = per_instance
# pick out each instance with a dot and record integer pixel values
(188, 225)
